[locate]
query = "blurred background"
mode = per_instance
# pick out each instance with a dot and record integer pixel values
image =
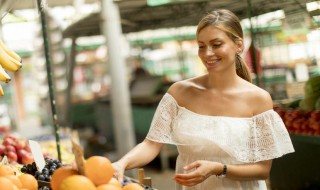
(112, 61)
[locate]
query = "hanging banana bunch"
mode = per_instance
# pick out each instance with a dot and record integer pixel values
(10, 61)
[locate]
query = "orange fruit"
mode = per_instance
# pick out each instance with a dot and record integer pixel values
(108, 187)
(77, 182)
(29, 182)
(98, 169)
(6, 184)
(133, 186)
(15, 180)
(6, 170)
(59, 175)
(115, 182)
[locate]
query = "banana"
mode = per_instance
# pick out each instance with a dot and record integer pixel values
(9, 52)
(8, 62)
(1, 91)
(4, 77)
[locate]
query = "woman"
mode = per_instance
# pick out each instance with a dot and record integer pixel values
(224, 127)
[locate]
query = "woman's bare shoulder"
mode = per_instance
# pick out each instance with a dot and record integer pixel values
(260, 99)
(183, 88)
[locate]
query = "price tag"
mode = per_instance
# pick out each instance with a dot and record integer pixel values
(4, 161)
(37, 154)
(78, 153)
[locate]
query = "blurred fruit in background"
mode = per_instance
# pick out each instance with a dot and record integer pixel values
(299, 121)
(16, 150)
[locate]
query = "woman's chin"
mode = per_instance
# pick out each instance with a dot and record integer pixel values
(212, 66)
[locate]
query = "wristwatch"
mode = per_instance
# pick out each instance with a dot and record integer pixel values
(224, 172)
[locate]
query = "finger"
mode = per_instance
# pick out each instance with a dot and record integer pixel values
(189, 182)
(183, 176)
(120, 179)
(190, 175)
(191, 166)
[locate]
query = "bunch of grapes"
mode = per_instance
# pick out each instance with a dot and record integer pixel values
(126, 181)
(45, 174)
(44, 188)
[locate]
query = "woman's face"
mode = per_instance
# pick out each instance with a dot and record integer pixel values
(216, 50)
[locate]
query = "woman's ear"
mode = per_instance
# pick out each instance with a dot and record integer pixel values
(239, 44)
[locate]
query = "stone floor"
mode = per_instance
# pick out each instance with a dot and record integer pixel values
(161, 180)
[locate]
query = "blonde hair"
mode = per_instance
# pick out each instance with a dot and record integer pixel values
(228, 22)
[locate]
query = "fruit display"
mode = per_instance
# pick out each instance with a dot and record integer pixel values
(16, 150)
(9, 180)
(311, 101)
(298, 121)
(10, 61)
(98, 175)
(49, 146)
(45, 175)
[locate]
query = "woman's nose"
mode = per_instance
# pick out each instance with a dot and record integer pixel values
(209, 51)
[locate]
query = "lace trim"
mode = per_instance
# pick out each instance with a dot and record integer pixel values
(261, 137)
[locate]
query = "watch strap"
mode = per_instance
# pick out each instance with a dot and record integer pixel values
(224, 172)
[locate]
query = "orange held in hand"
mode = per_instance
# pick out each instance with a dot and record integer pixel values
(98, 169)
(59, 175)
(115, 182)
(77, 182)
(133, 186)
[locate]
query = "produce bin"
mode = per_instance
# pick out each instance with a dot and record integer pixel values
(299, 170)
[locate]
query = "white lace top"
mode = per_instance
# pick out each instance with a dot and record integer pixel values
(229, 140)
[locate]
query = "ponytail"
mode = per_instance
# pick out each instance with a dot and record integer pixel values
(242, 69)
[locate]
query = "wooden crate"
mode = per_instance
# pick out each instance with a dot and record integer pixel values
(295, 90)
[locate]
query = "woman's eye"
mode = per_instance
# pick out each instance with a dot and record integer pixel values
(216, 45)
(201, 47)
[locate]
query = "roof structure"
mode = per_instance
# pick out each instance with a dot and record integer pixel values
(137, 16)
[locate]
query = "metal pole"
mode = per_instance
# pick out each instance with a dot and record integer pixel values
(49, 73)
(72, 63)
(120, 97)
(252, 50)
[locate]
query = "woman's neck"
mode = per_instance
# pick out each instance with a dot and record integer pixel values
(222, 81)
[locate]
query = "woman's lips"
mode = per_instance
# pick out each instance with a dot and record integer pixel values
(212, 62)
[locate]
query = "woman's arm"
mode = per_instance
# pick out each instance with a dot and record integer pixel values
(199, 171)
(259, 170)
(139, 156)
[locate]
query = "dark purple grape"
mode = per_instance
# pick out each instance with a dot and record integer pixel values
(41, 177)
(59, 165)
(24, 169)
(51, 171)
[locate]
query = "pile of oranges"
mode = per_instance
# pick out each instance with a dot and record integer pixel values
(98, 175)
(10, 181)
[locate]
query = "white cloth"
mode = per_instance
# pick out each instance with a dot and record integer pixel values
(229, 140)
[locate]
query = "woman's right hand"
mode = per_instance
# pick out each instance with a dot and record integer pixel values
(119, 170)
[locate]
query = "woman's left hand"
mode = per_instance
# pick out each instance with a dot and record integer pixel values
(195, 173)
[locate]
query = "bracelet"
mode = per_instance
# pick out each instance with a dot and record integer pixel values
(224, 172)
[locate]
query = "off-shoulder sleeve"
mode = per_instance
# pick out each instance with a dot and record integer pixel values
(268, 139)
(161, 125)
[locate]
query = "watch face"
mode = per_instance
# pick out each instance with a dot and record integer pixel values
(221, 176)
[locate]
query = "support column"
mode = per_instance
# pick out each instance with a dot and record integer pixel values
(120, 97)
(253, 52)
(72, 62)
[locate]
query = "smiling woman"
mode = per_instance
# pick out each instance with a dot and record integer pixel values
(222, 35)
(224, 127)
